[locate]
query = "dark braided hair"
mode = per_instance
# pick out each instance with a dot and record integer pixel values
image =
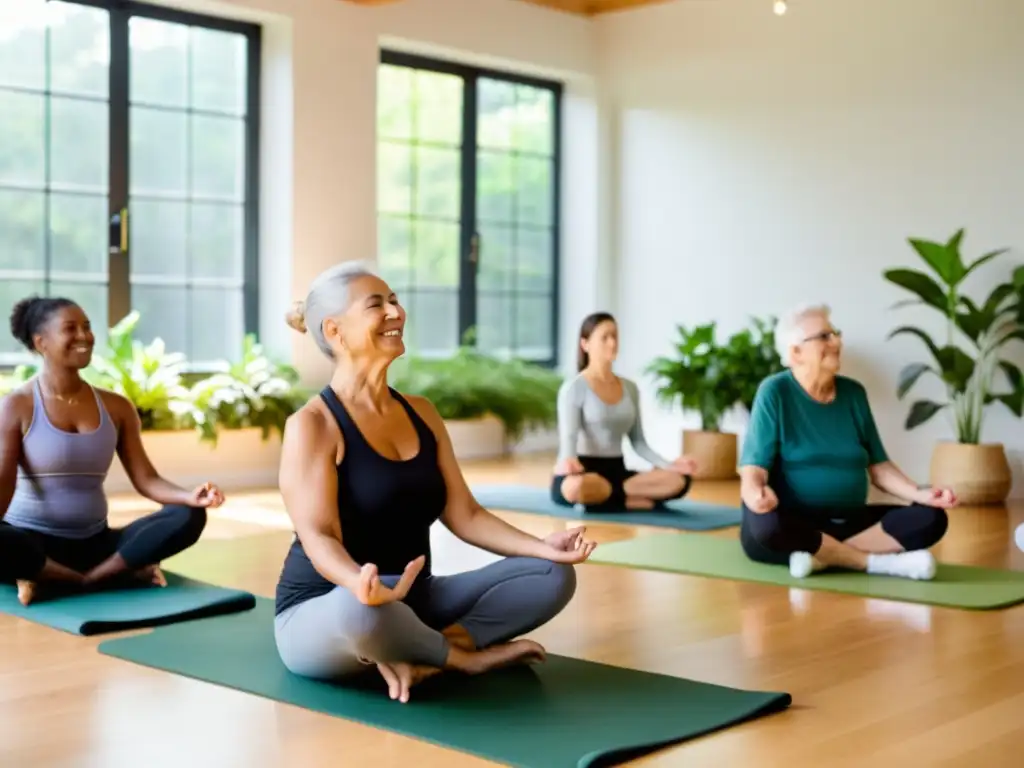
(590, 323)
(30, 315)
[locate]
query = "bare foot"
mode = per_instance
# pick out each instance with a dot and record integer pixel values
(459, 637)
(401, 677)
(151, 574)
(505, 655)
(638, 502)
(26, 592)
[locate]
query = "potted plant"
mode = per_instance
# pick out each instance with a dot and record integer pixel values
(711, 379)
(186, 417)
(967, 362)
(487, 403)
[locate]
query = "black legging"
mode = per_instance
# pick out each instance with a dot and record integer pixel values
(774, 536)
(614, 470)
(146, 541)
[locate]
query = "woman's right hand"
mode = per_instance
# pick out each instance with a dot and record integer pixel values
(369, 590)
(761, 499)
(569, 466)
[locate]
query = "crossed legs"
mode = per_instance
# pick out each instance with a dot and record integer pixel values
(463, 622)
(640, 490)
(31, 558)
(877, 538)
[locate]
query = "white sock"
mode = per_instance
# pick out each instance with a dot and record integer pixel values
(803, 564)
(911, 565)
(1019, 537)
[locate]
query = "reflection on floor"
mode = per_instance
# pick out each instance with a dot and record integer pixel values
(874, 682)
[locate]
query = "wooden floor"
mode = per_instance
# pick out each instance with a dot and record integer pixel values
(873, 683)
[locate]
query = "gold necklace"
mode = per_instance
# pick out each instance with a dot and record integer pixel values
(62, 398)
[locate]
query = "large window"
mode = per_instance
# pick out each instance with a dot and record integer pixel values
(128, 168)
(468, 205)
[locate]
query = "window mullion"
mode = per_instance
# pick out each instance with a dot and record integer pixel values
(119, 262)
(469, 250)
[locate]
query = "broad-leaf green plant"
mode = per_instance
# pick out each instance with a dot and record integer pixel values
(11, 381)
(968, 358)
(148, 375)
(255, 391)
(710, 378)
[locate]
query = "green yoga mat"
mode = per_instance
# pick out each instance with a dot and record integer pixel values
(564, 712)
(954, 586)
(115, 610)
(683, 514)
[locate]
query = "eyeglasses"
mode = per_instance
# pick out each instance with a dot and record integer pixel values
(825, 336)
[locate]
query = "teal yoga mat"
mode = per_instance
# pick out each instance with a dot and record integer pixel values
(954, 586)
(564, 712)
(683, 514)
(115, 610)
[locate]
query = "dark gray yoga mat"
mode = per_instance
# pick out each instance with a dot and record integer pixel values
(682, 514)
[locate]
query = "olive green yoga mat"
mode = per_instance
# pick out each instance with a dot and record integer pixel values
(682, 514)
(564, 712)
(954, 586)
(115, 610)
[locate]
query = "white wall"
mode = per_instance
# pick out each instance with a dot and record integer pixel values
(762, 161)
(318, 147)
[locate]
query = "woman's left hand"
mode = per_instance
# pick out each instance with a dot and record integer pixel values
(569, 546)
(685, 465)
(943, 498)
(206, 495)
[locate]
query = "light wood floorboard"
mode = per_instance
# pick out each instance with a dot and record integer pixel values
(874, 683)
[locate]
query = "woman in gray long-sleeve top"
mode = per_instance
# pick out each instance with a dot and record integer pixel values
(596, 409)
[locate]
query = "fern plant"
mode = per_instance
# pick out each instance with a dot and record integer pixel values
(471, 384)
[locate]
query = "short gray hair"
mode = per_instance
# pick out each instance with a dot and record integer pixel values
(328, 296)
(789, 332)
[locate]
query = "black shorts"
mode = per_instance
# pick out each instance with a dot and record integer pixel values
(614, 470)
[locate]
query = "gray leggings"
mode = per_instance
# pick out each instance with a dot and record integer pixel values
(334, 635)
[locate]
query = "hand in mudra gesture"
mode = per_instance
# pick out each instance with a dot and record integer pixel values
(569, 546)
(370, 591)
(761, 500)
(206, 495)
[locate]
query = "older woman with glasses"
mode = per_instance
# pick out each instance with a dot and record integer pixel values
(811, 450)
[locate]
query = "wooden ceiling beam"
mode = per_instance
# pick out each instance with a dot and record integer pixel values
(577, 7)
(371, 2)
(592, 7)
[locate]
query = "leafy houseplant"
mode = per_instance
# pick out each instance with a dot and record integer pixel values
(966, 362)
(470, 385)
(253, 392)
(711, 379)
(147, 375)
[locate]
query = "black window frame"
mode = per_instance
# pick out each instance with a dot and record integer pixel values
(119, 303)
(469, 240)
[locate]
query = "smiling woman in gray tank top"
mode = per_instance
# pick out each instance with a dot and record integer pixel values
(596, 410)
(58, 438)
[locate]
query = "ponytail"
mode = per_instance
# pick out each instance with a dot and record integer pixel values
(590, 322)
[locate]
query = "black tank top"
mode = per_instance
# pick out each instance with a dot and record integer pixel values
(386, 508)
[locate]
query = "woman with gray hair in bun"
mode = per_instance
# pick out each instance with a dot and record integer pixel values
(810, 451)
(365, 472)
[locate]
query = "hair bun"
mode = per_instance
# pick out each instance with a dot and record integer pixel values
(296, 316)
(21, 320)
